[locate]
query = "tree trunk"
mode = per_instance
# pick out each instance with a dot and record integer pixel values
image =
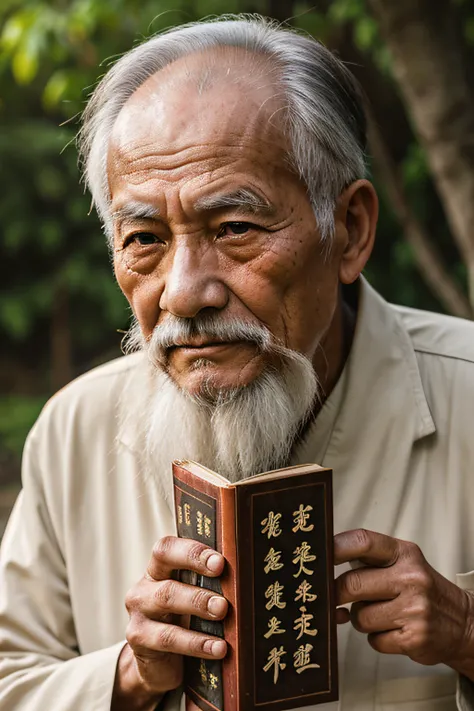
(428, 65)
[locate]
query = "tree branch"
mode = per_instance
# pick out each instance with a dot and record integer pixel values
(428, 258)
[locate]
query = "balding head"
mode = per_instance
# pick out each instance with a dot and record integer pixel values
(322, 114)
(200, 97)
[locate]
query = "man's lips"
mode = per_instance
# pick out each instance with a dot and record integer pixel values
(204, 348)
(201, 345)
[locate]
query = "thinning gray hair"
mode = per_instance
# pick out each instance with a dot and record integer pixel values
(324, 116)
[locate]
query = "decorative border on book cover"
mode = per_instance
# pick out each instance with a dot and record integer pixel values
(293, 660)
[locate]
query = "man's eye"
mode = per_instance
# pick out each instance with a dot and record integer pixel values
(144, 239)
(230, 229)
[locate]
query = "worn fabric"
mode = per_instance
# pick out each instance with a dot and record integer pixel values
(397, 430)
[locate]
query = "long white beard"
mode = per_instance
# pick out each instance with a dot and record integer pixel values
(239, 433)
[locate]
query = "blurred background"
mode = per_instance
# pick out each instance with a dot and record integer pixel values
(61, 312)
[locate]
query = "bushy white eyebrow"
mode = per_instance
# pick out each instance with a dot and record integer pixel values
(135, 210)
(244, 198)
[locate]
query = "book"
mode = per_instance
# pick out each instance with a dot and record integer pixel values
(275, 531)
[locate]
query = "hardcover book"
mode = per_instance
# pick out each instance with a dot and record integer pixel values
(275, 531)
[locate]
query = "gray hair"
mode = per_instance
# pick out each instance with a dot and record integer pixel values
(325, 121)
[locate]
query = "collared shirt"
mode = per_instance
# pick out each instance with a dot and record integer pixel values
(398, 432)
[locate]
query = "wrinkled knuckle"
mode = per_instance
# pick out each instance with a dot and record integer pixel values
(196, 645)
(349, 585)
(194, 553)
(134, 635)
(162, 547)
(364, 540)
(415, 639)
(132, 599)
(166, 638)
(354, 583)
(164, 594)
(200, 599)
(420, 579)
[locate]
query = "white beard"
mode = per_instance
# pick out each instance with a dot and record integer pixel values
(243, 432)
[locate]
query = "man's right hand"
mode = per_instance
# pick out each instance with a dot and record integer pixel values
(150, 664)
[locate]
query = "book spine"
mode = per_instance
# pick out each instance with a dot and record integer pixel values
(229, 581)
(203, 513)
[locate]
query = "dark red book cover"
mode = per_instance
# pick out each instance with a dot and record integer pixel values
(276, 534)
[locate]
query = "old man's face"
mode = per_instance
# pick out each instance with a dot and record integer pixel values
(210, 220)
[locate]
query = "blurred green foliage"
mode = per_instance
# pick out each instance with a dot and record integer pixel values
(51, 54)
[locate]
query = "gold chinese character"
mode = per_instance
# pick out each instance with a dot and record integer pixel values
(274, 660)
(199, 523)
(271, 524)
(272, 560)
(274, 593)
(303, 594)
(273, 627)
(302, 660)
(213, 681)
(203, 524)
(180, 513)
(303, 623)
(187, 514)
(303, 555)
(203, 672)
(300, 519)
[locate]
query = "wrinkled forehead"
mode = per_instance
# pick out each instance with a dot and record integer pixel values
(224, 96)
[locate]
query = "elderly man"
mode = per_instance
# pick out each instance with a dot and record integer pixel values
(226, 160)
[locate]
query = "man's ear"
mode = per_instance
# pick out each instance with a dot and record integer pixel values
(358, 209)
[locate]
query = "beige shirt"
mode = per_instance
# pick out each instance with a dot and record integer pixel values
(398, 432)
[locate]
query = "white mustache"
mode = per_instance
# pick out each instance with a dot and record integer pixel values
(177, 331)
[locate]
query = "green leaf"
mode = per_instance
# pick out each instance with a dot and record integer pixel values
(345, 10)
(15, 316)
(365, 33)
(12, 33)
(24, 65)
(55, 89)
(415, 167)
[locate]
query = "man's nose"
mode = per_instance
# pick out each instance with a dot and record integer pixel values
(192, 283)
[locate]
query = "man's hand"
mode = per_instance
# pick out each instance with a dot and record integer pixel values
(151, 662)
(402, 603)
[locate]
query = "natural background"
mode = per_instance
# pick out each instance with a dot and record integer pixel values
(60, 310)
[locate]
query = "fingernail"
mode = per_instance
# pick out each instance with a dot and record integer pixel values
(216, 606)
(214, 562)
(216, 648)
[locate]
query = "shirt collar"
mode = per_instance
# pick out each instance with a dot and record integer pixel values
(380, 380)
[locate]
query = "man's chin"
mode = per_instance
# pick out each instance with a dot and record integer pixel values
(210, 382)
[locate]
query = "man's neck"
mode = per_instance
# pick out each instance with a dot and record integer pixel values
(332, 354)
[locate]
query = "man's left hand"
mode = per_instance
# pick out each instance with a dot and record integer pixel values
(402, 603)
